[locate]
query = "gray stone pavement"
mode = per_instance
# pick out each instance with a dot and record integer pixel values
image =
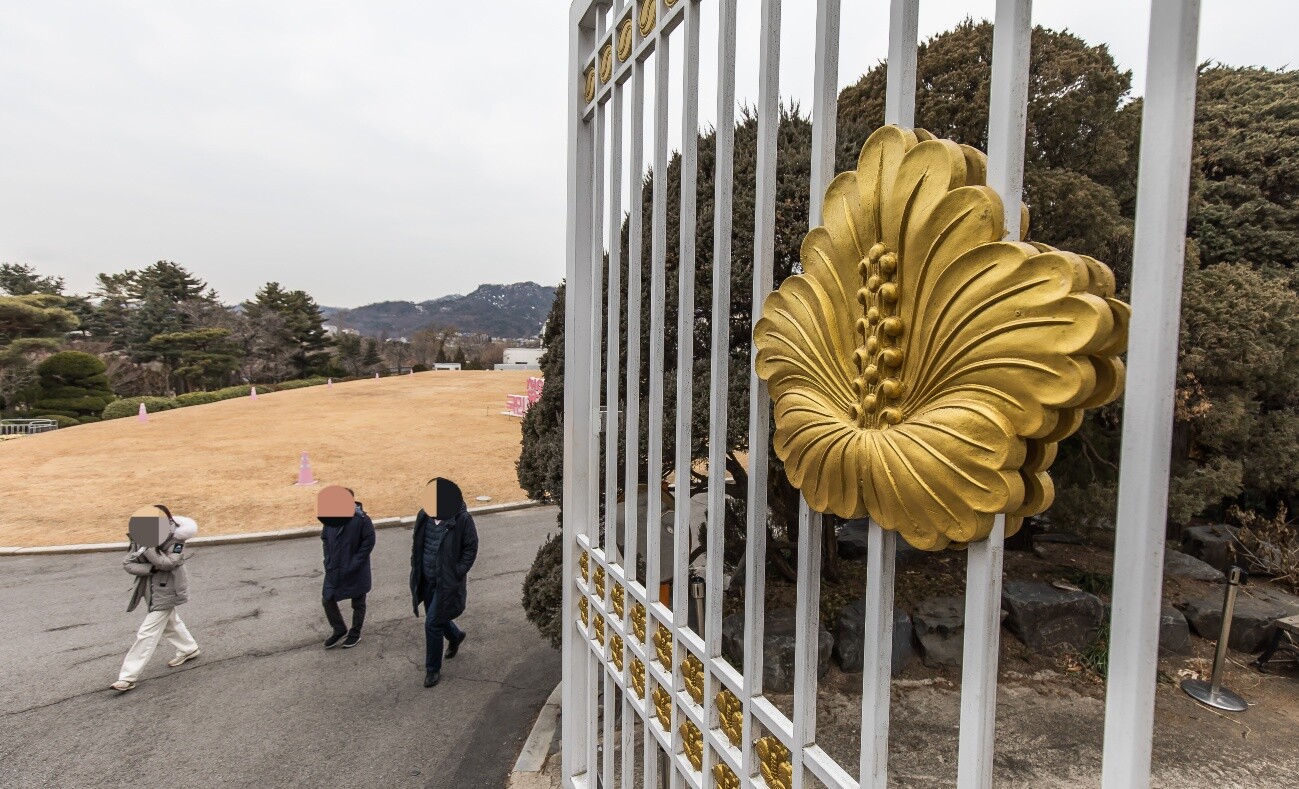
(265, 705)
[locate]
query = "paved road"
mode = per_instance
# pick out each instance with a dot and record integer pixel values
(265, 705)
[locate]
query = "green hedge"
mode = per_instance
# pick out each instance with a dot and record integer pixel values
(130, 406)
(63, 421)
(197, 398)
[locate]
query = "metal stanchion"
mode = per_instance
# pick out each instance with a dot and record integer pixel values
(697, 601)
(1212, 693)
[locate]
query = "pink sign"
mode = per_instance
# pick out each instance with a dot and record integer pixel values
(516, 405)
(535, 386)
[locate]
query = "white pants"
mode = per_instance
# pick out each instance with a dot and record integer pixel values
(156, 626)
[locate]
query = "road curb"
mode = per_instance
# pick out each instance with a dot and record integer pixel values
(263, 536)
(532, 759)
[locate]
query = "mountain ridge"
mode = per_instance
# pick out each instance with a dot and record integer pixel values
(514, 310)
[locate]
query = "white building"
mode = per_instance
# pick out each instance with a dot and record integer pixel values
(521, 359)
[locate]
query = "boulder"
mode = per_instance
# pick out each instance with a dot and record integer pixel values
(939, 624)
(1214, 544)
(1185, 566)
(1174, 635)
(850, 639)
(853, 544)
(1050, 620)
(1256, 612)
(778, 648)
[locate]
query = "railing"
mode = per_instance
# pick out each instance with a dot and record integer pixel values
(629, 655)
(26, 427)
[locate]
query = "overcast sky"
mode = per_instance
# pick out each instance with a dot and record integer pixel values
(378, 150)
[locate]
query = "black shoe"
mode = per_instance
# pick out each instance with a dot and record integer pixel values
(432, 678)
(333, 640)
(454, 646)
(351, 640)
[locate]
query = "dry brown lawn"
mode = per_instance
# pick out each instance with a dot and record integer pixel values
(232, 465)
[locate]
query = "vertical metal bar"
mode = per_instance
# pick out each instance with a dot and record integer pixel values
(764, 253)
(686, 312)
(658, 265)
(595, 328)
(807, 621)
(1158, 254)
(577, 404)
(1008, 110)
(877, 659)
(635, 239)
(723, 224)
(614, 315)
(900, 92)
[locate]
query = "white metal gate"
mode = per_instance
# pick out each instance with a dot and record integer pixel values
(628, 657)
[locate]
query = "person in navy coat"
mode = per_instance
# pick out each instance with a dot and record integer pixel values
(347, 541)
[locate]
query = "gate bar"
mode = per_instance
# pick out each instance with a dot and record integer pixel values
(1157, 260)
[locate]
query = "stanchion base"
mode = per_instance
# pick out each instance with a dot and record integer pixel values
(1224, 699)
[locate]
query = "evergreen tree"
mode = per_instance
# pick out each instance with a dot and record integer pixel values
(20, 279)
(540, 467)
(371, 359)
(302, 331)
(73, 385)
(198, 357)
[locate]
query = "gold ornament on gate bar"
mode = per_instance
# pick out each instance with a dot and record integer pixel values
(599, 629)
(599, 582)
(648, 16)
(692, 674)
(616, 596)
(638, 677)
(730, 716)
(692, 742)
(615, 651)
(638, 621)
(725, 777)
(588, 84)
(663, 647)
(582, 610)
(774, 762)
(606, 63)
(584, 564)
(922, 369)
(625, 40)
(663, 708)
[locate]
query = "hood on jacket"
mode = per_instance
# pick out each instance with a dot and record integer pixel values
(186, 528)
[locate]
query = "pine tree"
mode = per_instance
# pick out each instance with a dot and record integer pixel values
(541, 458)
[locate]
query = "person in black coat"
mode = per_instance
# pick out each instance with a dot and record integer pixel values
(442, 552)
(347, 541)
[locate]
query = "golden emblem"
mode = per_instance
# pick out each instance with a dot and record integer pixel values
(638, 677)
(606, 63)
(616, 594)
(615, 651)
(584, 561)
(730, 714)
(923, 369)
(648, 16)
(638, 621)
(692, 673)
(774, 761)
(599, 582)
(588, 93)
(663, 708)
(725, 777)
(599, 629)
(582, 610)
(663, 647)
(692, 742)
(625, 40)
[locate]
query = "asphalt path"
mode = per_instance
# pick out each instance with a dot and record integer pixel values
(265, 705)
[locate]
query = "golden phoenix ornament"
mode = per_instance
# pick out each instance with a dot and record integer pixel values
(922, 369)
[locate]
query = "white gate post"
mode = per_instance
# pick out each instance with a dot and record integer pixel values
(1157, 260)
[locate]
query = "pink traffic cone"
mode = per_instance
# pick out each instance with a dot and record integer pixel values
(304, 471)
(376, 376)
(329, 383)
(144, 413)
(252, 394)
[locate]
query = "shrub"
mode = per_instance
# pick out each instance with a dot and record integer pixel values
(72, 382)
(301, 383)
(61, 420)
(130, 406)
(420, 368)
(85, 420)
(543, 590)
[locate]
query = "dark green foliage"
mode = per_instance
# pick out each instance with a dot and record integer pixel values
(541, 457)
(299, 328)
(70, 371)
(19, 279)
(419, 368)
(543, 595)
(198, 357)
(63, 420)
(130, 406)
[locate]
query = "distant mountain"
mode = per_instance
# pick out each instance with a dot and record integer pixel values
(516, 310)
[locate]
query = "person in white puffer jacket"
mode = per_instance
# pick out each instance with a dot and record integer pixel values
(162, 582)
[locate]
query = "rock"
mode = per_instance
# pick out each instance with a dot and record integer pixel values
(778, 648)
(1214, 544)
(1051, 620)
(940, 628)
(849, 638)
(1185, 566)
(1174, 635)
(1252, 621)
(853, 544)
